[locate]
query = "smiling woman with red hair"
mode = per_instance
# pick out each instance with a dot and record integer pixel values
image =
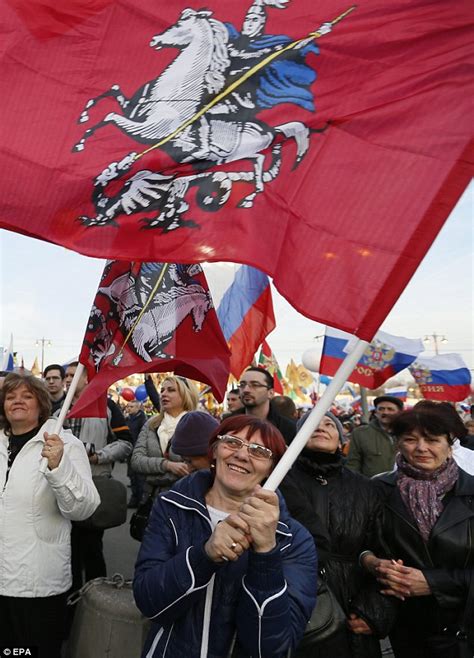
(222, 565)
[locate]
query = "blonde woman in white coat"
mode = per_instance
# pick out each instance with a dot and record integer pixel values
(36, 510)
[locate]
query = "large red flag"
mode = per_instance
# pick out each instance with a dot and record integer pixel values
(151, 317)
(322, 143)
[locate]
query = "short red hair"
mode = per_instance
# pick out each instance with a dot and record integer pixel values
(271, 436)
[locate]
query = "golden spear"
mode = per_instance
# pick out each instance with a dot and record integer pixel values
(248, 74)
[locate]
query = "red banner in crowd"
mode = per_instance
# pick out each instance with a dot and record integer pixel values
(323, 143)
(151, 317)
(268, 361)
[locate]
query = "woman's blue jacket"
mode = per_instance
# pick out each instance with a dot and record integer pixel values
(257, 606)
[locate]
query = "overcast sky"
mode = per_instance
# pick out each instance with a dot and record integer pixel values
(47, 291)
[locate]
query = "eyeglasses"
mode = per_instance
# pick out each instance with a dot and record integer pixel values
(254, 449)
(252, 385)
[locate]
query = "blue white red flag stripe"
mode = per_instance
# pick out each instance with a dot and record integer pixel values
(397, 392)
(239, 299)
(385, 356)
(246, 316)
(442, 377)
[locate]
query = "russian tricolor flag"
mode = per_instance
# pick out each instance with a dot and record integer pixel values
(246, 316)
(397, 392)
(442, 377)
(384, 357)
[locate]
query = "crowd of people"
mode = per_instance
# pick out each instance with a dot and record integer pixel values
(380, 516)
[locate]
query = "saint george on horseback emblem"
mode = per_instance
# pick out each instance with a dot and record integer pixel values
(137, 311)
(204, 110)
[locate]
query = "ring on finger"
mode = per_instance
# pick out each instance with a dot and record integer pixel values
(233, 546)
(224, 558)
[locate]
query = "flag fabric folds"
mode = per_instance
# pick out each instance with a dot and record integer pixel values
(151, 317)
(397, 392)
(327, 150)
(35, 369)
(246, 316)
(384, 357)
(443, 377)
(298, 380)
(298, 376)
(267, 360)
(9, 357)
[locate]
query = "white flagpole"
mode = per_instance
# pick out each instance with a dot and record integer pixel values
(313, 420)
(64, 409)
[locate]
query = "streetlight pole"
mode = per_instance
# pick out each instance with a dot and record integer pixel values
(43, 342)
(435, 337)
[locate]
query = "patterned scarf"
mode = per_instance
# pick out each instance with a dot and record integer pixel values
(422, 491)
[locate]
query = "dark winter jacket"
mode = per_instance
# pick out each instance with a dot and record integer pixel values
(340, 509)
(447, 559)
(261, 602)
(467, 441)
(286, 426)
(135, 423)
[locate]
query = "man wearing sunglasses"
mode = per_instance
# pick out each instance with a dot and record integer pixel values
(256, 393)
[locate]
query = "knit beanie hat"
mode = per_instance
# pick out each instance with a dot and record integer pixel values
(389, 398)
(192, 434)
(335, 420)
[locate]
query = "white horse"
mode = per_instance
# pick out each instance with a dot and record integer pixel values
(163, 314)
(165, 104)
(157, 326)
(162, 105)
